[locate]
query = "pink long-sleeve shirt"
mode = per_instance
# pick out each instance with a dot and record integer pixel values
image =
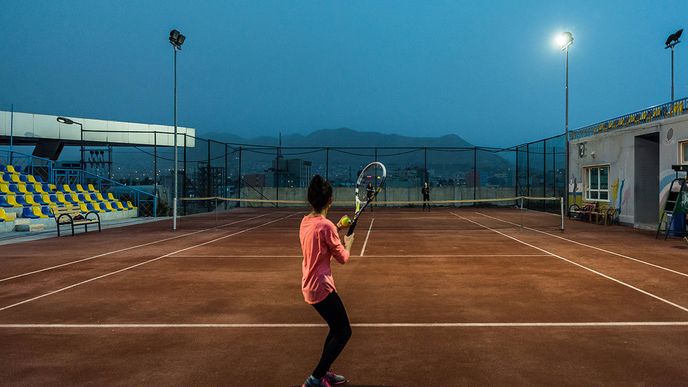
(319, 242)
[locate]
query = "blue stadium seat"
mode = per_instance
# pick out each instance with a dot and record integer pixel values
(21, 200)
(45, 210)
(38, 198)
(28, 212)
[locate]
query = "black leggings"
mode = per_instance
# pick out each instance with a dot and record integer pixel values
(332, 310)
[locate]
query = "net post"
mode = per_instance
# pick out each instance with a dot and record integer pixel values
(225, 185)
(561, 201)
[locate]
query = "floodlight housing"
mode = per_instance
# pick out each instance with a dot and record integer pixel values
(65, 120)
(673, 39)
(564, 40)
(177, 39)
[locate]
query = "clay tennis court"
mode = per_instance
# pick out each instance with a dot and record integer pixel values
(456, 296)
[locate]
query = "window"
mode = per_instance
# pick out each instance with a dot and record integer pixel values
(683, 152)
(597, 187)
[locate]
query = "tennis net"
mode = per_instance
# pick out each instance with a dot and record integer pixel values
(510, 212)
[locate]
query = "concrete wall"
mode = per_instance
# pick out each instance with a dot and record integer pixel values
(617, 149)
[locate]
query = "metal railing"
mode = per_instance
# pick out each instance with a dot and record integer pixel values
(29, 164)
(654, 113)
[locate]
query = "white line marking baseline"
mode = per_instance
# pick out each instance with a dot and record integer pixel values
(365, 243)
(121, 250)
(359, 325)
(591, 247)
(581, 266)
(139, 264)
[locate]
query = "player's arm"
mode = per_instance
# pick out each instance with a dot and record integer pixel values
(340, 251)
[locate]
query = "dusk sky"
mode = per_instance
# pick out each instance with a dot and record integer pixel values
(486, 71)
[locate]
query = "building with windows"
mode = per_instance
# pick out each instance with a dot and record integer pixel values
(626, 163)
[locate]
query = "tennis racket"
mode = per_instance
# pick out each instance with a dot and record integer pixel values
(370, 182)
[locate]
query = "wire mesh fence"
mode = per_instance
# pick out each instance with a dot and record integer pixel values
(209, 168)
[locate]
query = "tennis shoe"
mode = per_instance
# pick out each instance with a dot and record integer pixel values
(334, 378)
(314, 382)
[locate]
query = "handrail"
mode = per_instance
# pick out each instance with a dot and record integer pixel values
(650, 114)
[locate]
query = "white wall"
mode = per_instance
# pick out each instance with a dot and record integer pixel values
(31, 125)
(616, 148)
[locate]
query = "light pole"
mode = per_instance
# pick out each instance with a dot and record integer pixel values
(565, 40)
(67, 121)
(176, 40)
(671, 41)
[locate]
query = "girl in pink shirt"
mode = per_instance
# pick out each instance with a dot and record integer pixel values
(320, 243)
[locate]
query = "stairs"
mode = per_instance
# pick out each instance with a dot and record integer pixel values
(676, 203)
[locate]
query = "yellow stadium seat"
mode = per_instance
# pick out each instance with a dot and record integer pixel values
(99, 197)
(28, 198)
(3, 215)
(11, 169)
(2, 179)
(119, 206)
(31, 179)
(80, 188)
(67, 188)
(89, 198)
(46, 198)
(37, 212)
(91, 188)
(130, 205)
(108, 206)
(15, 179)
(38, 187)
(53, 187)
(111, 197)
(22, 188)
(83, 208)
(5, 188)
(75, 198)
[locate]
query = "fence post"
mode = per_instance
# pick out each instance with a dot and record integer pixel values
(240, 178)
(528, 169)
(155, 169)
(207, 176)
(516, 172)
(544, 175)
(226, 175)
(554, 170)
(184, 176)
(425, 165)
(475, 173)
(277, 168)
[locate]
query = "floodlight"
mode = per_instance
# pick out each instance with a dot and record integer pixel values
(64, 120)
(564, 40)
(673, 39)
(177, 39)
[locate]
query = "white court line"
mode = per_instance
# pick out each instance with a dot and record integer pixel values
(581, 266)
(121, 250)
(591, 247)
(358, 325)
(139, 264)
(371, 256)
(367, 236)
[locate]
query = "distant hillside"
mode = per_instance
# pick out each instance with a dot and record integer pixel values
(345, 137)
(446, 162)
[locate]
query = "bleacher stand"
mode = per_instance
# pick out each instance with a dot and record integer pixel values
(24, 196)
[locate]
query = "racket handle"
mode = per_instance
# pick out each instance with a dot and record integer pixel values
(352, 227)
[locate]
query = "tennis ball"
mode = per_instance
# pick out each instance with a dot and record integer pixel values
(345, 221)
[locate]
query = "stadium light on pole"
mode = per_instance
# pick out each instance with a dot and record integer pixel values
(176, 40)
(672, 41)
(67, 121)
(565, 40)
